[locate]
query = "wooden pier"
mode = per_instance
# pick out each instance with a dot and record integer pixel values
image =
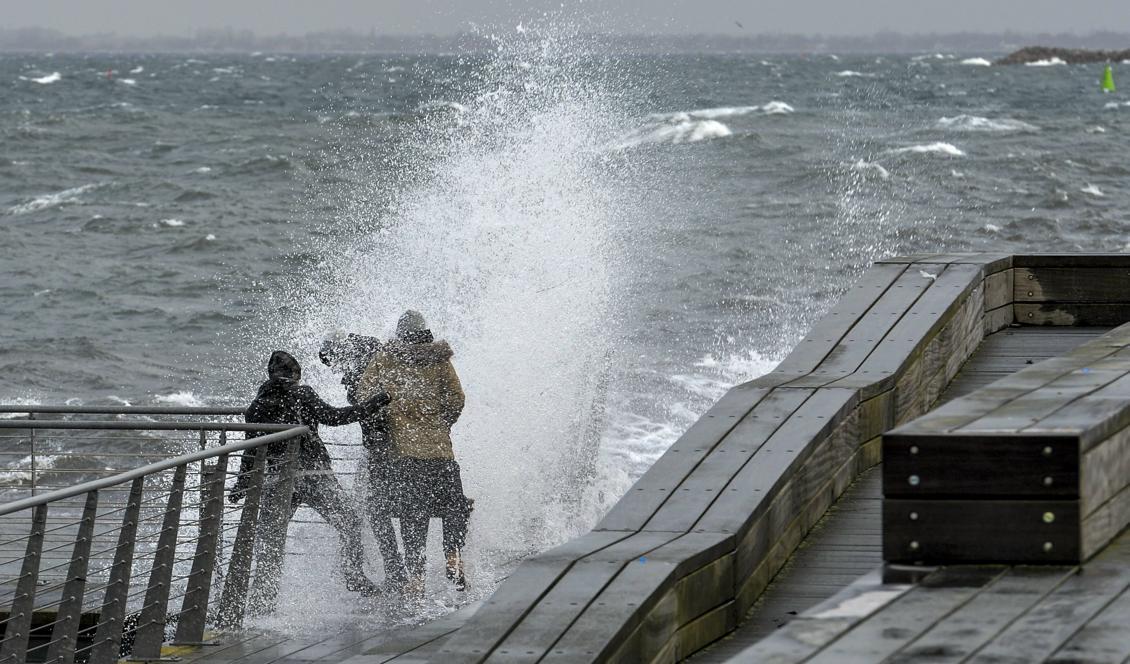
(962, 371)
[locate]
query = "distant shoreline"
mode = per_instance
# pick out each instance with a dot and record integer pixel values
(1070, 56)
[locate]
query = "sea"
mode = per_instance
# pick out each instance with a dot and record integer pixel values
(608, 241)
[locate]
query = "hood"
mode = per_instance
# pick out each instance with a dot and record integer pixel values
(421, 354)
(283, 365)
(276, 386)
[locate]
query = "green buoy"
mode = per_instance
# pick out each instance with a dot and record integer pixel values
(1108, 79)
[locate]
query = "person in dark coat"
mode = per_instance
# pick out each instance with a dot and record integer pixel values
(349, 355)
(415, 370)
(282, 399)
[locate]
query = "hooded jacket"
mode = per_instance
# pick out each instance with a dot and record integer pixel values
(283, 400)
(427, 397)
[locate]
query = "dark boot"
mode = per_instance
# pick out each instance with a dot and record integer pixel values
(454, 570)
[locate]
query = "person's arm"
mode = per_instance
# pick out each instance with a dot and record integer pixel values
(320, 412)
(451, 398)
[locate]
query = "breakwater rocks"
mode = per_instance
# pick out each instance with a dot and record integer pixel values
(1070, 56)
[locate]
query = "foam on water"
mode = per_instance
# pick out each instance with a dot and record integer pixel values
(977, 123)
(1092, 190)
(871, 168)
(931, 148)
(65, 197)
(674, 132)
(976, 62)
(53, 77)
(1051, 62)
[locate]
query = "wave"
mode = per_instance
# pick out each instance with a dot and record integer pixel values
(772, 108)
(137, 70)
(1116, 104)
(976, 62)
(441, 106)
(1045, 63)
(187, 399)
(1093, 190)
(977, 123)
(127, 81)
(686, 131)
(931, 148)
(47, 201)
(867, 167)
(48, 79)
(848, 73)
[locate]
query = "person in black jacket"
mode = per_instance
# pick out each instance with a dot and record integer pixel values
(283, 400)
(349, 355)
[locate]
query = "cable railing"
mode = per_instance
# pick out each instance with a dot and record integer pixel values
(120, 540)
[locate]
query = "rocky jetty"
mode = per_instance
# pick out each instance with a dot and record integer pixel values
(1071, 56)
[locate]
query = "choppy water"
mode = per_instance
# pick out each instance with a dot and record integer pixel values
(608, 243)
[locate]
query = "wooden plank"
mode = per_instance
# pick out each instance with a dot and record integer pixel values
(999, 289)
(1106, 467)
(870, 328)
(978, 621)
(387, 647)
(1072, 284)
(750, 491)
(798, 639)
(1095, 416)
(981, 531)
(1075, 260)
(518, 594)
(558, 608)
(633, 510)
(971, 465)
(929, 314)
(1072, 313)
(1051, 623)
(779, 414)
(827, 333)
(1102, 639)
(620, 608)
(905, 618)
(1105, 523)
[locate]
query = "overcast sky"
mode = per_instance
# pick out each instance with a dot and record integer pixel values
(183, 17)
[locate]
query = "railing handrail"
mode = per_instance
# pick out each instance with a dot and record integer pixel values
(125, 410)
(160, 466)
(134, 426)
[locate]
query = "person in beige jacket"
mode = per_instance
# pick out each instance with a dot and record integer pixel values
(427, 399)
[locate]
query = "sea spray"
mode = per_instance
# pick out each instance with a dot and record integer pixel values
(503, 227)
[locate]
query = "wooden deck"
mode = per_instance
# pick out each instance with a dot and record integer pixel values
(719, 524)
(847, 543)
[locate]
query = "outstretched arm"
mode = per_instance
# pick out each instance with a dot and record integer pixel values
(316, 411)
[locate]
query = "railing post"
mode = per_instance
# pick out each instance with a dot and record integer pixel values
(194, 611)
(17, 630)
(271, 556)
(151, 626)
(234, 596)
(108, 638)
(34, 473)
(64, 637)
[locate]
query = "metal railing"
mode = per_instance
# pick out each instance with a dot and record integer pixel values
(127, 541)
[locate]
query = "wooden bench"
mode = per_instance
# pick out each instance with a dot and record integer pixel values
(1032, 468)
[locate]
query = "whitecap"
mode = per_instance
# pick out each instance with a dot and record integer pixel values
(685, 131)
(976, 62)
(202, 169)
(1092, 190)
(1045, 63)
(869, 167)
(19, 401)
(137, 70)
(172, 223)
(48, 79)
(1096, 130)
(127, 81)
(931, 148)
(777, 108)
(185, 398)
(209, 237)
(957, 174)
(992, 228)
(977, 123)
(848, 73)
(1116, 104)
(51, 200)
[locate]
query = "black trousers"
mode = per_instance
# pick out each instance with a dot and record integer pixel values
(380, 515)
(422, 489)
(321, 492)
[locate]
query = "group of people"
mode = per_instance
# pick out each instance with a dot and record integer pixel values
(406, 396)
